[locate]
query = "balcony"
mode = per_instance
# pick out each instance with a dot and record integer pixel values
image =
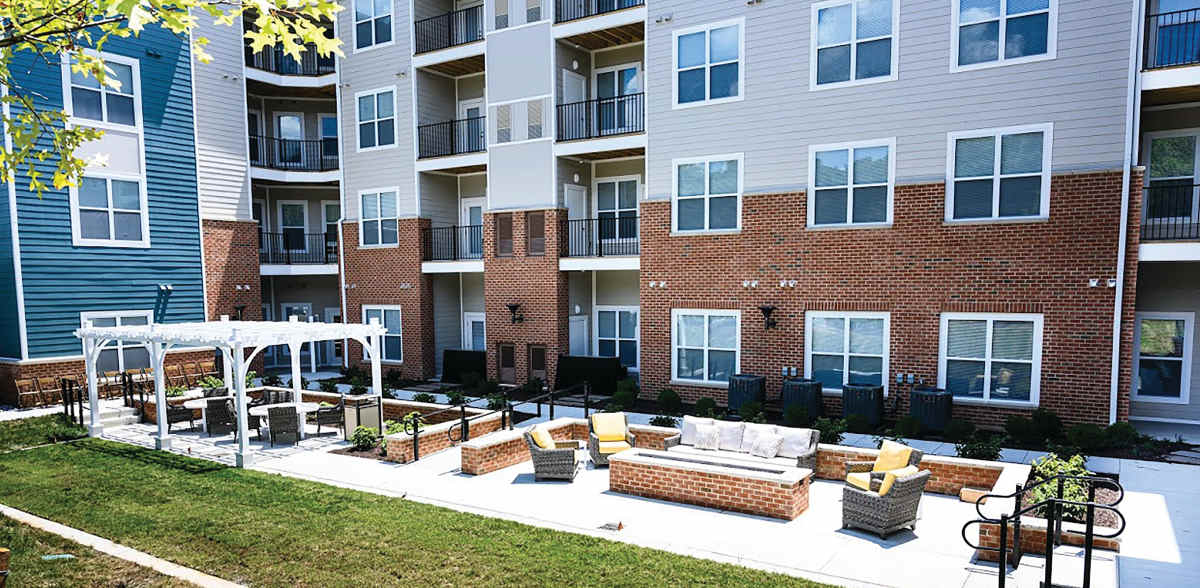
(453, 137)
(607, 236)
(295, 247)
(448, 30)
(452, 243)
(569, 10)
(1171, 213)
(602, 117)
(303, 155)
(1172, 39)
(272, 59)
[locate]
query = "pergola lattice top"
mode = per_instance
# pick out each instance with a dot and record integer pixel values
(228, 334)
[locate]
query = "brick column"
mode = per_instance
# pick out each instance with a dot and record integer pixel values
(230, 262)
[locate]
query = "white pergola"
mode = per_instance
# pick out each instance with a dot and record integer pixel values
(233, 339)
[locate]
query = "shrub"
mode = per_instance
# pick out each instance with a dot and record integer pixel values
(250, 375)
(857, 423)
(1020, 429)
(1121, 435)
(471, 380)
(395, 379)
(393, 427)
(625, 398)
(424, 397)
(980, 446)
(1089, 438)
(1046, 424)
(752, 412)
(353, 373)
(796, 415)
(832, 430)
(705, 407)
(669, 402)
(496, 402)
(359, 380)
(328, 386)
(455, 397)
(174, 391)
(663, 420)
(490, 387)
(1051, 465)
(210, 382)
(358, 389)
(958, 430)
(364, 438)
(908, 427)
(272, 380)
(533, 387)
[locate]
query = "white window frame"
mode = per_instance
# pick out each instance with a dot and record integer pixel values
(383, 339)
(469, 317)
(741, 61)
(358, 123)
(77, 238)
(1051, 37)
(1035, 380)
(706, 313)
(378, 192)
(637, 331)
(1147, 151)
(854, 41)
(336, 128)
(279, 204)
(675, 163)
(325, 220)
(847, 315)
(354, 26)
(91, 315)
(997, 134)
(69, 108)
(890, 143)
(1189, 328)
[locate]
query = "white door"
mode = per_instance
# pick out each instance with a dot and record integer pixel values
(293, 225)
(289, 130)
(574, 119)
(581, 236)
(471, 127)
(300, 310)
(578, 326)
(333, 349)
(474, 337)
(618, 109)
(471, 235)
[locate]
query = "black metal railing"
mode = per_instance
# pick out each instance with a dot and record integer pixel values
(272, 58)
(448, 30)
(452, 243)
(1170, 212)
(602, 117)
(294, 154)
(1052, 508)
(568, 10)
(1172, 38)
(297, 247)
(600, 237)
(452, 137)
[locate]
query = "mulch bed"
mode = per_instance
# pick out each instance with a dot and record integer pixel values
(1104, 495)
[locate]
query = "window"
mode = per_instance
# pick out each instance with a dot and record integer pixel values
(851, 183)
(372, 23)
(535, 232)
(705, 345)
(86, 99)
(991, 357)
(708, 193)
(501, 14)
(1164, 355)
(389, 317)
(537, 362)
(846, 348)
(617, 333)
(617, 207)
(508, 363)
(1172, 175)
(534, 117)
(853, 41)
(120, 355)
(708, 64)
(533, 10)
(999, 173)
(377, 218)
(504, 123)
(999, 32)
(376, 119)
(329, 133)
(504, 235)
(109, 211)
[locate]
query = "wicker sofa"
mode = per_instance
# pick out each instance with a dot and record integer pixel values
(801, 452)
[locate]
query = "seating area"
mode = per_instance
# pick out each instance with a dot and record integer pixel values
(43, 391)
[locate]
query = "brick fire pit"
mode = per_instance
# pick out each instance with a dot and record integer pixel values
(713, 482)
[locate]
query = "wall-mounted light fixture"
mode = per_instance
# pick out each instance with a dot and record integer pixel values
(768, 322)
(517, 316)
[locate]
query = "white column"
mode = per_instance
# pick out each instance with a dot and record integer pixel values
(95, 429)
(226, 365)
(239, 387)
(294, 347)
(377, 371)
(312, 351)
(157, 354)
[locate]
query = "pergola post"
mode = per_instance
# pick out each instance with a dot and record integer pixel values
(312, 351)
(297, 389)
(95, 429)
(377, 371)
(226, 368)
(157, 355)
(239, 386)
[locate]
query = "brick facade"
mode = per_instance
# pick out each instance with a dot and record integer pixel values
(916, 270)
(230, 263)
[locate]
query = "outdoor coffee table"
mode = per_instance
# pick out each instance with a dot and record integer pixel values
(303, 408)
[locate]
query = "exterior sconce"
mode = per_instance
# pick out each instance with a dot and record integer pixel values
(768, 322)
(517, 316)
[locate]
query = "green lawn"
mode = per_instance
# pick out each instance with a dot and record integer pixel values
(88, 568)
(35, 431)
(269, 530)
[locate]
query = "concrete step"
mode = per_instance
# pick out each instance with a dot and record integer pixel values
(1068, 569)
(118, 420)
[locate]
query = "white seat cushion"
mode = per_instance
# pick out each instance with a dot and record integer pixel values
(708, 437)
(795, 441)
(731, 435)
(781, 462)
(751, 434)
(687, 433)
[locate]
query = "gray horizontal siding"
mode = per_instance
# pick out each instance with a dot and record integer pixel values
(224, 180)
(1172, 287)
(439, 199)
(447, 317)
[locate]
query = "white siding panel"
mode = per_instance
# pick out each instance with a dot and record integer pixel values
(223, 178)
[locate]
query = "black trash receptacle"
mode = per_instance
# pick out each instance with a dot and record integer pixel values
(806, 393)
(931, 407)
(744, 389)
(865, 400)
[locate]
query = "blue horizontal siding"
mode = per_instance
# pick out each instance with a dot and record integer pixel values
(60, 280)
(10, 326)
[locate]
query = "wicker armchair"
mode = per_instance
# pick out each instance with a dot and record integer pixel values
(283, 423)
(860, 467)
(553, 464)
(600, 458)
(218, 417)
(178, 413)
(884, 514)
(331, 416)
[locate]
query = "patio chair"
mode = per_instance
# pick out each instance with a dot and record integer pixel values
(283, 424)
(331, 416)
(178, 413)
(215, 392)
(608, 433)
(218, 417)
(891, 508)
(552, 460)
(868, 475)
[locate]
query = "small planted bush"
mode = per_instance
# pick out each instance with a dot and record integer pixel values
(669, 402)
(364, 438)
(980, 446)
(857, 423)
(358, 390)
(796, 415)
(832, 430)
(705, 408)
(496, 402)
(625, 398)
(455, 397)
(1046, 424)
(1088, 438)
(328, 386)
(423, 397)
(272, 380)
(1051, 465)
(752, 412)
(1121, 435)
(958, 430)
(908, 427)
(174, 391)
(1020, 429)
(211, 382)
(663, 420)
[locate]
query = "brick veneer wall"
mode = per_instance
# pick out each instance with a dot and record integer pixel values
(948, 475)
(688, 486)
(488, 454)
(11, 372)
(434, 438)
(916, 270)
(1033, 538)
(231, 260)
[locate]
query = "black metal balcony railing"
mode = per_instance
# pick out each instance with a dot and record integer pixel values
(448, 30)
(1171, 213)
(452, 243)
(294, 246)
(602, 117)
(1173, 38)
(568, 10)
(452, 137)
(293, 154)
(272, 58)
(601, 237)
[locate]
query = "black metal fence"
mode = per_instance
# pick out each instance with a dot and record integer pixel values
(602, 117)
(272, 58)
(601, 237)
(448, 30)
(568, 10)
(297, 247)
(294, 154)
(452, 243)
(1173, 38)
(452, 137)
(1170, 213)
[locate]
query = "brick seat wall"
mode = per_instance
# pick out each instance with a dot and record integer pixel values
(495, 452)
(684, 485)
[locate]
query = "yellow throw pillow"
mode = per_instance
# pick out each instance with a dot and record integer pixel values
(541, 436)
(609, 426)
(892, 456)
(890, 478)
(860, 480)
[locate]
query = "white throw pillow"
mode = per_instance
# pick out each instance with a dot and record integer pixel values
(752, 433)
(731, 435)
(707, 437)
(795, 441)
(767, 445)
(687, 434)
